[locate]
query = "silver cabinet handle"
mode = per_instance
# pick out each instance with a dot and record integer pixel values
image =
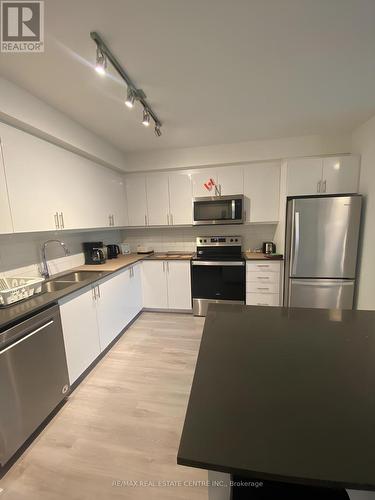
(94, 293)
(324, 186)
(296, 242)
(168, 219)
(262, 288)
(263, 277)
(98, 291)
(318, 186)
(62, 224)
(56, 217)
(167, 266)
(110, 220)
(145, 220)
(113, 220)
(262, 304)
(171, 219)
(163, 266)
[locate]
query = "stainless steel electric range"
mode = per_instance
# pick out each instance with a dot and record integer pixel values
(217, 272)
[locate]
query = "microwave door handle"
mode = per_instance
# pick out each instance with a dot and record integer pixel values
(233, 209)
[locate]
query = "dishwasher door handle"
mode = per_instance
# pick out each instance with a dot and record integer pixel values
(26, 336)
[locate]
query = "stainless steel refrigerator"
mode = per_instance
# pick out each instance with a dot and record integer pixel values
(321, 251)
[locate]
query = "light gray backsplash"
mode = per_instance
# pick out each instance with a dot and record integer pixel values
(183, 238)
(20, 250)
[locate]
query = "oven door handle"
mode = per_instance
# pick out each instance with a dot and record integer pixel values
(216, 263)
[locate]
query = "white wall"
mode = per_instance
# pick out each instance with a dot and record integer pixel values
(23, 110)
(238, 153)
(363, 142)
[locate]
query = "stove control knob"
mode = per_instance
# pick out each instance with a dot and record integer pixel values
(236, 239)
(231, 239)
(205, 241)
(200, 241)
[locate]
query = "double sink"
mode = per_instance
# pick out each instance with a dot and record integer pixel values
(69, 279)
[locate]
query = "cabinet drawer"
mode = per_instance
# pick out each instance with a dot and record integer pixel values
(262, 277)
(263, 266)
(262, 299)
(262, 287)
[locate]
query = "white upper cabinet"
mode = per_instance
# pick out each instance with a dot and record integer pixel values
(180, 198)
(157, 199)
(230, 180)
(136, 199)
(340, 174)
(201, 177)
(113, 197)
(329, 175)
(304, 176)
(6, 225)
(262, 192)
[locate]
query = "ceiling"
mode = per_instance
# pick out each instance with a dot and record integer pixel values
(215, 71)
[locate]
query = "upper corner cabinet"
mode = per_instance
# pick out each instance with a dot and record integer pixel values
(328, 175)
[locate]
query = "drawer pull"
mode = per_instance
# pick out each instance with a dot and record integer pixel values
(262, 304)
(263, 277)
(263, 287)
(263, 265)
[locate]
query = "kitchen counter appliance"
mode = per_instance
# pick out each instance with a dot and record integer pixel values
(218, 210)
(321, 251)
(113, 251)
(34, 377)
(217, 272)
(94, 253)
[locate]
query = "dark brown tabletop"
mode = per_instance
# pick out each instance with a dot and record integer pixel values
(284, 394)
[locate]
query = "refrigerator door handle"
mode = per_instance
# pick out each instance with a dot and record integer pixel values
(296, 234)
(325, 283)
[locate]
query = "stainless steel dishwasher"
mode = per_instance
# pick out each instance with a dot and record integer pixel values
(33, 377)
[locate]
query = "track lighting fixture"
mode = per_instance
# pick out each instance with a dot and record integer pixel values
(130, 98)
(103, 55)
(101, 62)
(146, 118)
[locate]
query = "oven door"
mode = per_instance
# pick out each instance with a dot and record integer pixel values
(218, 210)
(216, 281)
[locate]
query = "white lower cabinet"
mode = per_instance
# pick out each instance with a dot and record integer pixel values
(81, 334)
(263, 282)
(92, 319)
(166, 284)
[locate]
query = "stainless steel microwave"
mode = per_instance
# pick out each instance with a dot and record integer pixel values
(218, 210)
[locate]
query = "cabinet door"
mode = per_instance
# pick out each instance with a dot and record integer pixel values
(199, 178)
(179, 284)
(154, 284)
(34, 178)
(6, 225)
(262, 192)
(304, 176)
(113, 307)
(136, 199)
(180, 198)
(157, 199)
(341, 174)
(81, 336)
(112, 198)
(230, 180)
(135, 291)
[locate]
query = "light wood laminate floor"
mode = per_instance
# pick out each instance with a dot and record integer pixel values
(123, 422)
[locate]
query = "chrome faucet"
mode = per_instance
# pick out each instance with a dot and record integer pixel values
(44, 270)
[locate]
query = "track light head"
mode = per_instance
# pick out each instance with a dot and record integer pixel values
(130, 98)
(157, 130)
(101, 62)
(146, 118)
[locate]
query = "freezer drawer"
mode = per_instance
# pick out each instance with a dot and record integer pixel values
(34, 377)
(324, 294)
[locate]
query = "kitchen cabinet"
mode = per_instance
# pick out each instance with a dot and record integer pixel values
(51, 188)
(154, 284)
(180, 198)
(157, 199)
(199, 178)
(178, 284)
(166, 284)
(341, 174)
(262, 192)
(6, 225)
(328, 175)
(263, 283)
(230, 180)
(80, 329)
(136, 200)
(118, 302)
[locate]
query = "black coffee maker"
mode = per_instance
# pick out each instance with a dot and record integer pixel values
(94, 252)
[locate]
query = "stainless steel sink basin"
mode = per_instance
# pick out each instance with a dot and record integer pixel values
(78, 276)
(55, 286)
